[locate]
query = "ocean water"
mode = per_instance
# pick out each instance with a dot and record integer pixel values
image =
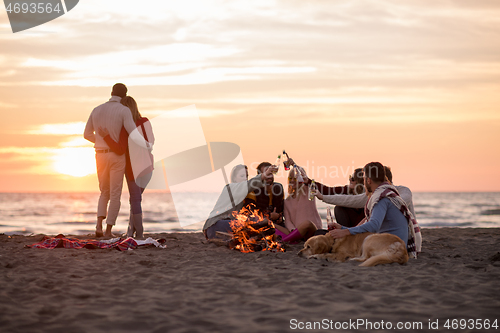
(74, 213)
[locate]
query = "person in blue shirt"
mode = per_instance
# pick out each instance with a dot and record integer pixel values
(383, 215)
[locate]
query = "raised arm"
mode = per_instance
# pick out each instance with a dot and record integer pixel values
(351, 201)
(258, 181)
(336, 190)
(323, 189)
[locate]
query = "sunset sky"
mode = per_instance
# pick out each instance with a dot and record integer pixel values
(412, 84)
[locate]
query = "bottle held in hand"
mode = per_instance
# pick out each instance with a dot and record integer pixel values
(329, 218)
(288, 161)
(277, 164)
(313, 189)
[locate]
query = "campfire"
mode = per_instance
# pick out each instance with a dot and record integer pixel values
(252, 232)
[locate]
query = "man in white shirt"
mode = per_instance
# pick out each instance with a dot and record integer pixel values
(111, 115)
(359, 200)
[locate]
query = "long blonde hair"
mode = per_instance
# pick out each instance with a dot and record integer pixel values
(292, 178)
(129, 102)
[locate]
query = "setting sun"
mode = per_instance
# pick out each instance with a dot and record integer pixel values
(76, 162)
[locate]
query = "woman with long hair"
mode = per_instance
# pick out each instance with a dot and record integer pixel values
(301, 216)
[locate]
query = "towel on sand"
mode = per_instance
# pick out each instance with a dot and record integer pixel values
(73, 243)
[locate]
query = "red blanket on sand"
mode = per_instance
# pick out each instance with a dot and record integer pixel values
(73, 243)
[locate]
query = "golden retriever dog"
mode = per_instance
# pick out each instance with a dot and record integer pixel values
(371, 249)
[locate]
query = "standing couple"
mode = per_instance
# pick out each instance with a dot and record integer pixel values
(123, 142)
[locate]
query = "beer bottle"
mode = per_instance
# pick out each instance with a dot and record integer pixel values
(286, 163)
(312, 190)
(329, 218)
(277, 164)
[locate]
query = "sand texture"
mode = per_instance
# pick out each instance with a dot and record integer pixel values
(194, 286)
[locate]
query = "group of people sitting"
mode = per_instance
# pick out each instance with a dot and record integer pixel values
(369, 203)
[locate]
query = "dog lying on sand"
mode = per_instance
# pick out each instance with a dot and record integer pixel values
(371, 249)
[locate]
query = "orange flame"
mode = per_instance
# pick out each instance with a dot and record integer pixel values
(244, 232)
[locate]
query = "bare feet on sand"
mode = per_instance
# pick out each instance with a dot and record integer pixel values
(98, 227)
(99, 233)
(108, 233)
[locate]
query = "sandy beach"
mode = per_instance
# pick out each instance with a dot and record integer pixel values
(195, 286)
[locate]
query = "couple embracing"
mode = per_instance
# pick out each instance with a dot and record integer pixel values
(123, 142)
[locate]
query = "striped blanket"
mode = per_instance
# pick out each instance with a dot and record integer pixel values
(60, 241)
(414, 244)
